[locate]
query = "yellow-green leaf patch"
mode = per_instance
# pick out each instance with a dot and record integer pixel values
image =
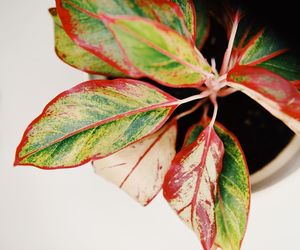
(92, 120)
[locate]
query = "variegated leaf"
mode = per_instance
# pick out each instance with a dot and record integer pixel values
(261, 47)
(233, 199)
(159, 52)
(93, 120)
(196, 19)
(77, 57)
(286, 65)
(233, 195)
(140, 168)
(265, 48)
(190, 185)
(188, 10)
(81, 22)
(253, 49)
(273, 92)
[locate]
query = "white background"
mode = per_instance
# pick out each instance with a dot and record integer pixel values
(75, 209)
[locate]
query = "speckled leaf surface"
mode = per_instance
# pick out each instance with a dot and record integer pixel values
(233, 195)
(276, 94)
(77, 57)
(93, 120)
(259, 47)
(264, 48)
(140, 168)
(190, 185)
(159, 52)
(196, 19)
(233, 199)
(81, 21)
(188, 10)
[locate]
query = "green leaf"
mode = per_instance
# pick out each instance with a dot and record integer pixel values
(93, 120)
(159, 52)
(196, 19)
(81, 22)
(190, 186)
(266, 49)
(286, 65)
(202, 23)
(261, 47)
(77, 57)
(274, 93)
(140, 168)
(233, 198)
(188, 10)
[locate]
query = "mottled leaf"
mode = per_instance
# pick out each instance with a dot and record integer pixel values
(93, 120)
(265, 48)
(233, 200)
(140, 169)
(159, 52)
(188, 10)
(81, 21)
(190, 185)
(273, 92)
(233, 195)
(77, 57)
(196, 19)
(262, 47)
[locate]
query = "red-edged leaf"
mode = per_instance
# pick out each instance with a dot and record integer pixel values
(81, 22)
(196, 19)
(72, 54)
(93, 120)
(273, 92)
(140, 169)
(190, 185)
(188, 10)
(262, 47)
(254, 46)
(233, 195)
(202, 23)
(286, 65)
(159, 52)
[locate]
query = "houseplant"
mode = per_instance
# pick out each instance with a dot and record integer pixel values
(121, 121)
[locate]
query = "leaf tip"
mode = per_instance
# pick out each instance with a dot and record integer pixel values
(53, 11)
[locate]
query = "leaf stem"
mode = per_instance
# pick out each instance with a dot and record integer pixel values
(215, 103)
(202, 95)
(179, 116)
(228, 51)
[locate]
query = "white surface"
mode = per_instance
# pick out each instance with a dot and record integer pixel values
(75, 209)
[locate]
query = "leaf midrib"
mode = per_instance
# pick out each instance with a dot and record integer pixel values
(97, 124)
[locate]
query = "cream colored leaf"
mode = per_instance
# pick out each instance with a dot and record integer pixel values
(140, 168)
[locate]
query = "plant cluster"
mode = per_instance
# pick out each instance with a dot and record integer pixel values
(124, 125)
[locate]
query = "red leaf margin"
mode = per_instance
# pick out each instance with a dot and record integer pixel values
(93, 84)
(258, 79)
(169, 193)
(107, 19)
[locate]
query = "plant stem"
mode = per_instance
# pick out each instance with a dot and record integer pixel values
(228, 51)
(201, 102)
(215, 103)
(202, 95)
